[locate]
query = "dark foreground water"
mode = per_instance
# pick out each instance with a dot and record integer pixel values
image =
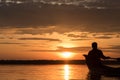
(47, 72)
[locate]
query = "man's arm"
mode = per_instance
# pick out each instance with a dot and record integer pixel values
(102, 56)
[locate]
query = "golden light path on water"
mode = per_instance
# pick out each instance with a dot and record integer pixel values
(66, 72)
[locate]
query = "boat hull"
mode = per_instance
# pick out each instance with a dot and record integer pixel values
(102, 69)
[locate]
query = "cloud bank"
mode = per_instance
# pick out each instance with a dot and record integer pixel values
(65, 18)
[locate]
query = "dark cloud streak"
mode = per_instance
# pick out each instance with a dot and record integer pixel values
(10, 43)
(103, 37)
(63, 49)
(80, 39)
(114, 47)
(48, 39)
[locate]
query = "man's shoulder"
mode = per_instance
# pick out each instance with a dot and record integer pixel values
(95, 50)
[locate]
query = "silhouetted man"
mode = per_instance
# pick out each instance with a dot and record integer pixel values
(93, 60)
(95, 55)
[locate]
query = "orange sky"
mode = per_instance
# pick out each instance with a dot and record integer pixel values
(52, 45)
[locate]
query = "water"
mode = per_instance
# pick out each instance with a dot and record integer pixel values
(47, 72)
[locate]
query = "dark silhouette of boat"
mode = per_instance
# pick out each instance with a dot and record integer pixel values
(101, 70)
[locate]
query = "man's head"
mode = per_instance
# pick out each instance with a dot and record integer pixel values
(94, 45)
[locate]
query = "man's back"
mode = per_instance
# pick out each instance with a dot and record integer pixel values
(95, 56)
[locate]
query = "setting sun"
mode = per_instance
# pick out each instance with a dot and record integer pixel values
(67, 54)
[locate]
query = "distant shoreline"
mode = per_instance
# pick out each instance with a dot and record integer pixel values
(45, 62)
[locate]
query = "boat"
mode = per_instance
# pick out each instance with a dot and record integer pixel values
(101, 69)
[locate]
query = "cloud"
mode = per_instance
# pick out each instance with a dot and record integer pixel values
(65, 18)
(114, 47)
(48, 39)
(73, 35)
(78, 36)
(74, 49)
(36, 30)
(63, 49)
(2, 38)
(111, 51)
(117, 36)
(103, 37)
(109, 34)
(79, 39)
(10, 43)
(90, 36)
(45, 50)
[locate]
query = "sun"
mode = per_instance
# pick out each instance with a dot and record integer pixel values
(67, 54)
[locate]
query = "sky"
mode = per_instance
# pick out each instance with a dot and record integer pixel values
(49, 31)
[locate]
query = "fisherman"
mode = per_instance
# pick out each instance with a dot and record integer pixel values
(95, 55)
(94, 63)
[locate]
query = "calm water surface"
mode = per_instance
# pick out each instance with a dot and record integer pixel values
(47, 72)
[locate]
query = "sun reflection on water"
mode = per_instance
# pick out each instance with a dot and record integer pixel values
(66, 72)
